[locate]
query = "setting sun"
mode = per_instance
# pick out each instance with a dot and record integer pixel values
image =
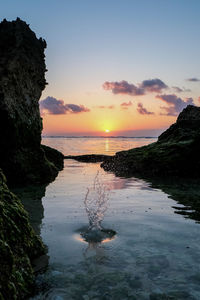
(107, 130)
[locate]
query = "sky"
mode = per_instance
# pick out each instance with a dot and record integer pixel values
(126, 67)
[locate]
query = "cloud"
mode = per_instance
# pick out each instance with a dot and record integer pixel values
(125, 105)
(123, 87)
(153, 85)
(179, 90)
(142, 110)
(193, 79)
(58, 107)
(147, 86)
(175, 104)
(106, 107)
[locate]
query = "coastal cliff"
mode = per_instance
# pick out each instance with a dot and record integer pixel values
(176, 153)
(22, 79)
(23, 160)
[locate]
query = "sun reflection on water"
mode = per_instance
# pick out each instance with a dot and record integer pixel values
(78, 238)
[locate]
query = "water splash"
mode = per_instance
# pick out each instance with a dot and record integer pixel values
(96, 203)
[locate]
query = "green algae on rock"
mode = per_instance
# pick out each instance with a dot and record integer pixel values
(19, 246)
(22, 70)
(176, 153)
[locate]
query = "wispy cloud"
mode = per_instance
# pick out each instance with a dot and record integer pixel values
(193, 79)
(177, 89)
(146, 86)
(57, 107)
(126, 105)
(105, 106)
(175, 104)
(142, 110)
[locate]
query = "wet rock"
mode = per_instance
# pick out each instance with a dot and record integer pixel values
(19, 246)
(22, 69)
(89, 157)
(176, 153)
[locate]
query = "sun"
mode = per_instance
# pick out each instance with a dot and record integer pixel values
(107, 130)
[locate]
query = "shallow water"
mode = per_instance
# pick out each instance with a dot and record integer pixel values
(154, 255)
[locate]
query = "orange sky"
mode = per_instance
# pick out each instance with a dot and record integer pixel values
(116, 120)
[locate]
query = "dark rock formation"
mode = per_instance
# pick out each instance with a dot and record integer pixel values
(93, 158)
(54, 156)
(19, 245)
(22, 69)
(176, 153)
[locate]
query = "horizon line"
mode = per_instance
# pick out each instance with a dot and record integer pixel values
(98, 136)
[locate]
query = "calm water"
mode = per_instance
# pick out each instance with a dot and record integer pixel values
(109, 146)
(156, 252)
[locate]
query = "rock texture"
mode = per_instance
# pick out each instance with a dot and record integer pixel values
(175, 153)
(22, 69)
(19, 246)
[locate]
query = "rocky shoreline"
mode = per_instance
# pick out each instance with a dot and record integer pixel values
(176, 153)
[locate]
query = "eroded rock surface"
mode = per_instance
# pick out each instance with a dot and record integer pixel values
(22, 70)
(19, 245)
(176, 153)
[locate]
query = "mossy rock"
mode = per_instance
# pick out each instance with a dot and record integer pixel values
(19, 246)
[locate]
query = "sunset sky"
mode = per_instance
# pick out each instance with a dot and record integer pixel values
(128, 67)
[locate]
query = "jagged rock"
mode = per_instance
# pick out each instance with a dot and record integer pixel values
(175, 153)
(22, 69)
(19, 246)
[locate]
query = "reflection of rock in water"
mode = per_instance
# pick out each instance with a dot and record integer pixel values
(31, 198)
(96, 201)
(185, 191)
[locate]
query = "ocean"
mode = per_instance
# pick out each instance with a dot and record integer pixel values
(154, 253)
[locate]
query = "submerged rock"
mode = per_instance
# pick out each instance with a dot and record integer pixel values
(22, 69)
(97, 235)
(19, 246)
(175, 153)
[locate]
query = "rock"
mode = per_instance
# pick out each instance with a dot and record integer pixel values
(54, 156)
(176, 153)
(22, 69)
(19, 246)
(89, 157)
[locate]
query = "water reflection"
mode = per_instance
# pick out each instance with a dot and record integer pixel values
(31, 197)
(107, 148)
(186, 192)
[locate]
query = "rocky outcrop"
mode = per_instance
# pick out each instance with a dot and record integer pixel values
(19, 246)
(176, 153)
(22, 69)
(93, 158)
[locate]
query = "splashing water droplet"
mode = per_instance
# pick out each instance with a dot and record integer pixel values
(96, 203)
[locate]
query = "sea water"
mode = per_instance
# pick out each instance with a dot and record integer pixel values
(155, 253)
